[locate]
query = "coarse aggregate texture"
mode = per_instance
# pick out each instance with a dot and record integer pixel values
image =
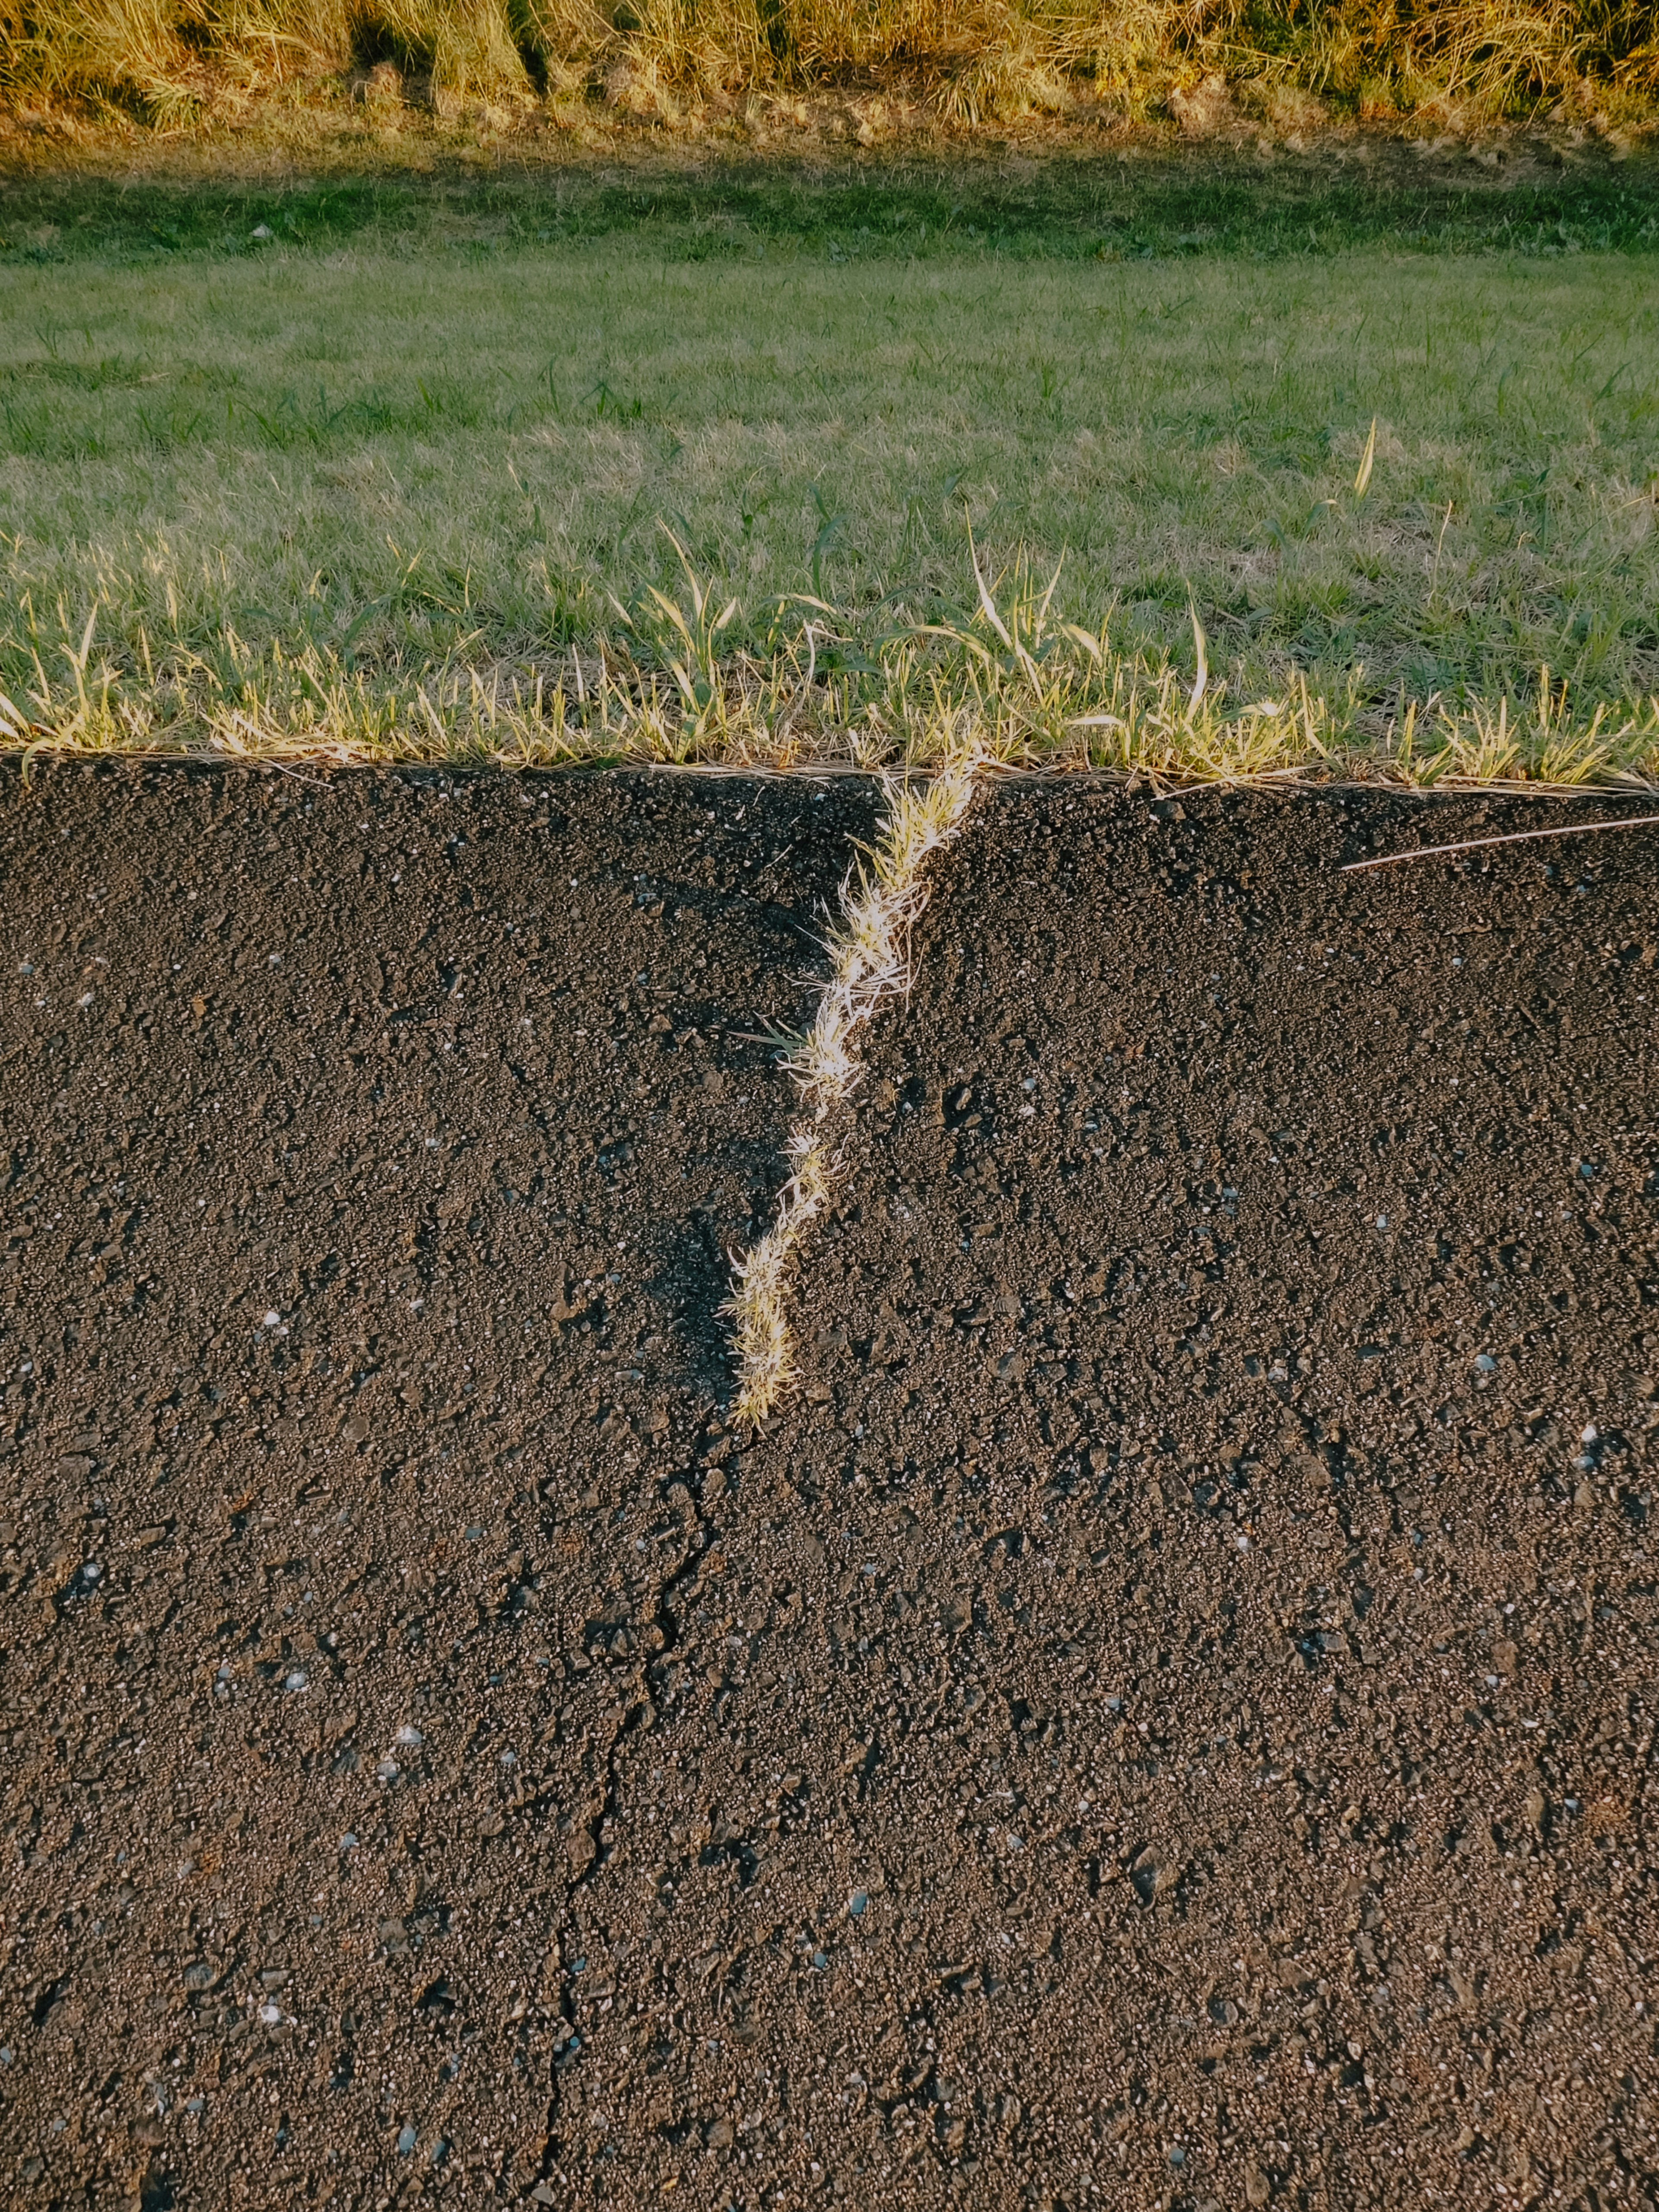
(1165, 1717)
(372, 1153)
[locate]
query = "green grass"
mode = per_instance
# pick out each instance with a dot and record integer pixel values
(1065, 207)
(428, 454)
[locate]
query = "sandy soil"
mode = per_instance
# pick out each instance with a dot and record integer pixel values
(1166, 1717)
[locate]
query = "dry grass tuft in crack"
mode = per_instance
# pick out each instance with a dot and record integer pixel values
(871, 962)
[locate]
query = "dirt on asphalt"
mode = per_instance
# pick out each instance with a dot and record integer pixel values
(1164, 1718)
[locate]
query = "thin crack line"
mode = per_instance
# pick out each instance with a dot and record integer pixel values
(700, 1537)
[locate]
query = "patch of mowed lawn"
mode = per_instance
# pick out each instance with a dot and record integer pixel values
(402, 464)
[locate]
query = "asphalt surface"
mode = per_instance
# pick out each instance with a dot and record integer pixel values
(1164, 1716)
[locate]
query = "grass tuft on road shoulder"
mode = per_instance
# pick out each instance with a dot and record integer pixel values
(1004, 684)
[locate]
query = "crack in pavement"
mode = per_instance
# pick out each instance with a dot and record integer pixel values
(638, 1715)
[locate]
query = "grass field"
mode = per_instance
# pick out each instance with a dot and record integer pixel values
(352, 490)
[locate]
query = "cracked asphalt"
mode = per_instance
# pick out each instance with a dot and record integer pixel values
(1165, 1717)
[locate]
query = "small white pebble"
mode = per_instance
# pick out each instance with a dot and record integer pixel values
(296, 1681)
(271, 1321)
(412, 1735)
(1588, 1436)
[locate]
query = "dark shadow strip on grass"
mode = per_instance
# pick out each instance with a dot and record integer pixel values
(1066, 208)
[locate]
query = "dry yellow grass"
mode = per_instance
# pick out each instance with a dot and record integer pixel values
(1085, 708)
(980, 59)
(869, 963)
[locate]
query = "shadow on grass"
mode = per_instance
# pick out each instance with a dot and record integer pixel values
(1066, 208)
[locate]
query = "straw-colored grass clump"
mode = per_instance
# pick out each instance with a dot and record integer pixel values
(870, 963)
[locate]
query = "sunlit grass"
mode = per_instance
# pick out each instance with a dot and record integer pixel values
(391, 503)
(1006, 685)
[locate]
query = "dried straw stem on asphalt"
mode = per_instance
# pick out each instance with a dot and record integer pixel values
(870, 962)
(1510, 837)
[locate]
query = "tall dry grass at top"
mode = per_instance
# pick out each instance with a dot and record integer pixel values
(978, 58)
